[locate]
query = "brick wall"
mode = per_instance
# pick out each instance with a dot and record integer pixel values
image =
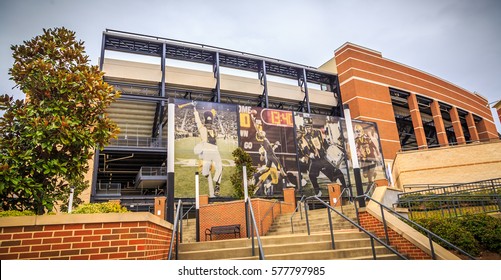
(135, 236)
(229, 213)
(401, 244)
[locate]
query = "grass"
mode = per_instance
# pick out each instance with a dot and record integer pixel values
(186, 164)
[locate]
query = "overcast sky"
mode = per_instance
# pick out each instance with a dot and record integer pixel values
(457, 40)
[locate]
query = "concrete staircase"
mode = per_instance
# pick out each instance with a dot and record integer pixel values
(281, 244)
(318, 220)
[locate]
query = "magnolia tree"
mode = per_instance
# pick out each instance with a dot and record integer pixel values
(47, 139)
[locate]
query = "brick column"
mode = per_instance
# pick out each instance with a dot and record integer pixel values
(334, 193)
(439, 124)
(289, 200)
(456, 124)
(417, 122)
(472, 128)
(204, 199)
(160, 207)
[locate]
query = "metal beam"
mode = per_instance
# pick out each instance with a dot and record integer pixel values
(103, 47)
(264, 82)
(217, 76)
(303, 83)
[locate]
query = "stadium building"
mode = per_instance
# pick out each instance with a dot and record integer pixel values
(399, 107)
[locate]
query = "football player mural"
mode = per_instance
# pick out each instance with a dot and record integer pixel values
(320, 152)
(369, 152)
(206, 135)
(289, 149)
(268, 136)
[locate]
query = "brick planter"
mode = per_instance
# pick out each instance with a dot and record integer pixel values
(115, 236)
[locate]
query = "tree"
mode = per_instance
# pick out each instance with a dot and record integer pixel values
(242, 158)
(47, 139)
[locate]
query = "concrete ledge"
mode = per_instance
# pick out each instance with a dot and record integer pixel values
(83, 219)
(406, 231)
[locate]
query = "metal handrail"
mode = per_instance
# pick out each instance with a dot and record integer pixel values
(372, 236)
(429, 233)
(186, 214)
(295, 211)
(272, 215)
(339, 198)
(471, 186)
(175, 229)
(254, 226)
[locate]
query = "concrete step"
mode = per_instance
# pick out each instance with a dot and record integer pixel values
(271, 240)
(362, 253)
(287, 219)
(349, 244)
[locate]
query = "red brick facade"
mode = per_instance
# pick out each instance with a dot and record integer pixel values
(133, 240)
(401, 244)
(366, 78)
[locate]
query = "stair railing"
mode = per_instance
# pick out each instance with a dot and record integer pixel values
(272, 214)
(333, 245)
(298, 207)
(177, 226)
(429, 233)
(340, 197)
(254, 227)
(181, 223)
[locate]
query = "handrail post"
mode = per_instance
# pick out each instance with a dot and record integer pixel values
(433, 256)
(385, 226)
(181, 225)
(306, 215)
(333, 245)
(252, 230)
(373, 249)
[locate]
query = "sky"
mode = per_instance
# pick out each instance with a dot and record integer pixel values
(456, 40)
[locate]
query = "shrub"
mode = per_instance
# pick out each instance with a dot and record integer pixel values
(472, 233)
(486, 229)
(16, 213)
(96, 208)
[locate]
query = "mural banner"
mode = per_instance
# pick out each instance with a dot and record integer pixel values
(205, 137)
(369, 152)
(289, 149)
(321, 154)
(267, 135)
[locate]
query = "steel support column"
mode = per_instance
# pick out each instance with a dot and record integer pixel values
(101, 59)
(264, 82)
(336, 89)
(93, 186)
(303, 83)
(217, 76)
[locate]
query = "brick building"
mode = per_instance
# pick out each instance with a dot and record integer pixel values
(412, 109)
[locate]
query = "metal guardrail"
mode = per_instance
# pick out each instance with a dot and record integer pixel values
(177, 227)
(135, 141)
(371, 235)
(254, 227)
(110, 189)
(452, 188)
(454, 200)
(298, 207)
(153, 171)
(429, 233)
(340, 197)
(271, 209)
